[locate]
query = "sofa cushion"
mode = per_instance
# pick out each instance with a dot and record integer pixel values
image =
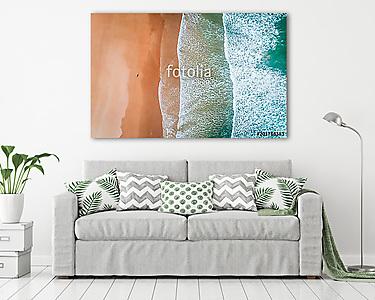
(175, 170)
(200, 170)
(242, 225)
(131, 225)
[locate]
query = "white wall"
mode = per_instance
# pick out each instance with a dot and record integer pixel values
(45, 101)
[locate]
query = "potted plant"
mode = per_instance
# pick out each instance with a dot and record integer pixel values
(14, 174)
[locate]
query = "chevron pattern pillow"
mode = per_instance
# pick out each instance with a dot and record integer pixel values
(139, 191)
(234, 191)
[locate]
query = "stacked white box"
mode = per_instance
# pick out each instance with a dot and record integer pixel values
(16, 241)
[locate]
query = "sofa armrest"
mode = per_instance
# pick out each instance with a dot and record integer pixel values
(65, 212)
(311, 225)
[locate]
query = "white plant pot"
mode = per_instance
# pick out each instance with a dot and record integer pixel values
(11, 207)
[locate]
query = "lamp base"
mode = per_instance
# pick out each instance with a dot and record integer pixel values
(361, 269)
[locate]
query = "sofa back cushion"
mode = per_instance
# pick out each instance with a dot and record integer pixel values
(200, 170)
(175, 170)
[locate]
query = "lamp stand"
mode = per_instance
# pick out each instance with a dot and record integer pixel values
(361, 267)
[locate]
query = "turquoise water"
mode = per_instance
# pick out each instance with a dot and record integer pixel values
(206, 104)
(246, 95)
(255, 48)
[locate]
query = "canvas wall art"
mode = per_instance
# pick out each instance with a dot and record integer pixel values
(188, 75)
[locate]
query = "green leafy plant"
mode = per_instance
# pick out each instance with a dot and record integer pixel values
(15, 172)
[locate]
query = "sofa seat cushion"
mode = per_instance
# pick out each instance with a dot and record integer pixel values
(242, 225)
(131, 225)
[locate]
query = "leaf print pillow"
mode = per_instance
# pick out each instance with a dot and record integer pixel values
(276, 192)
(96, 195)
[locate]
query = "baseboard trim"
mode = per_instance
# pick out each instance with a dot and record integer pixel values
(350, 259)
(41, 260)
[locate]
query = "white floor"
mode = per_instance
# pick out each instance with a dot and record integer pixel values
(40, 284)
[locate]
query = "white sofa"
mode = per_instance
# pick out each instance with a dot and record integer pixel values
(149, 243)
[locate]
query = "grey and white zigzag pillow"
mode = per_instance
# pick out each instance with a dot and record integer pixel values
(139, 191)
(234, 191)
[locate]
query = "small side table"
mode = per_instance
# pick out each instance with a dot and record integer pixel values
(16, 240)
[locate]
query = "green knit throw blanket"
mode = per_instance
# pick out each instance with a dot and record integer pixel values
(334, 266)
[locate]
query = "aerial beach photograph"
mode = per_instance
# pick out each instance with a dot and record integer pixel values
(188, 75)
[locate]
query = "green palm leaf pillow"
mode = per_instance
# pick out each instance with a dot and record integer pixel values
(276, 192)
(96, 195)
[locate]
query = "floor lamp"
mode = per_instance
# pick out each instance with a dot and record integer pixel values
(336, 119)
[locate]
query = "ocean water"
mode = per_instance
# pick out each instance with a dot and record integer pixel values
(206, 104)
(255, 48)
(245, 95)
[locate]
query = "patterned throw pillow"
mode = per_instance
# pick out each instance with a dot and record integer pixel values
(139, 191)
(276, 192)
(186, 198)
(234, 192)
(96, 195)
